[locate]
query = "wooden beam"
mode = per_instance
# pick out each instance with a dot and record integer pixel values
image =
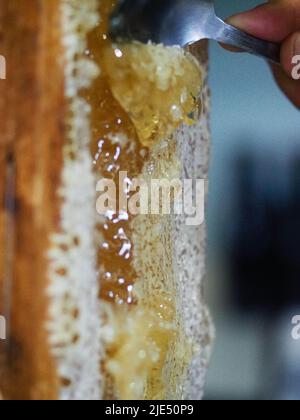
(32, 133)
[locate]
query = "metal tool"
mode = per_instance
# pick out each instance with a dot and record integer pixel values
(182, 22)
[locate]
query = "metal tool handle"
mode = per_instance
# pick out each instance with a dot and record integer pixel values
(230, 35)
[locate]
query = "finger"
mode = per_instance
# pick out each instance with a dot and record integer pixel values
(274, 21)
(278, 21)
(271, 22)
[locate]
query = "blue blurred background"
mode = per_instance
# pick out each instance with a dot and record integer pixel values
(253, 284)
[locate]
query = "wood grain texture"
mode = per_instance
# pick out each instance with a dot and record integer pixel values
(31, 137)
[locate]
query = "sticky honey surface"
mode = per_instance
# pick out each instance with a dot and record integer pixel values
(157, 86)
(144, 92)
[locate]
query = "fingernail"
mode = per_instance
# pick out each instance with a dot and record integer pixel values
(236, 20)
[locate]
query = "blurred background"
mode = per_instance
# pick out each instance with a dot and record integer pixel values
(253, 284)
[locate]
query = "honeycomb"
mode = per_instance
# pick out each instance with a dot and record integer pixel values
(142, 95)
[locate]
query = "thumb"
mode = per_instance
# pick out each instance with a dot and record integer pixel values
(275, 22)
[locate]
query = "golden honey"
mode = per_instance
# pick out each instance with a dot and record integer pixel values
(157, 86)
(115, 148)
(144, 92)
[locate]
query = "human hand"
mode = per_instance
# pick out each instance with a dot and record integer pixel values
(278, 21)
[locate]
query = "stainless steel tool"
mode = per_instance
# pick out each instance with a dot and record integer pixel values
(182, 22)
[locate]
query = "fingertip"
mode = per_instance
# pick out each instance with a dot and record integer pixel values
(272, 21)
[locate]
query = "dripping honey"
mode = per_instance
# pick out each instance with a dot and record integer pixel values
(115, 148)
(133, 107)
(154, 103)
